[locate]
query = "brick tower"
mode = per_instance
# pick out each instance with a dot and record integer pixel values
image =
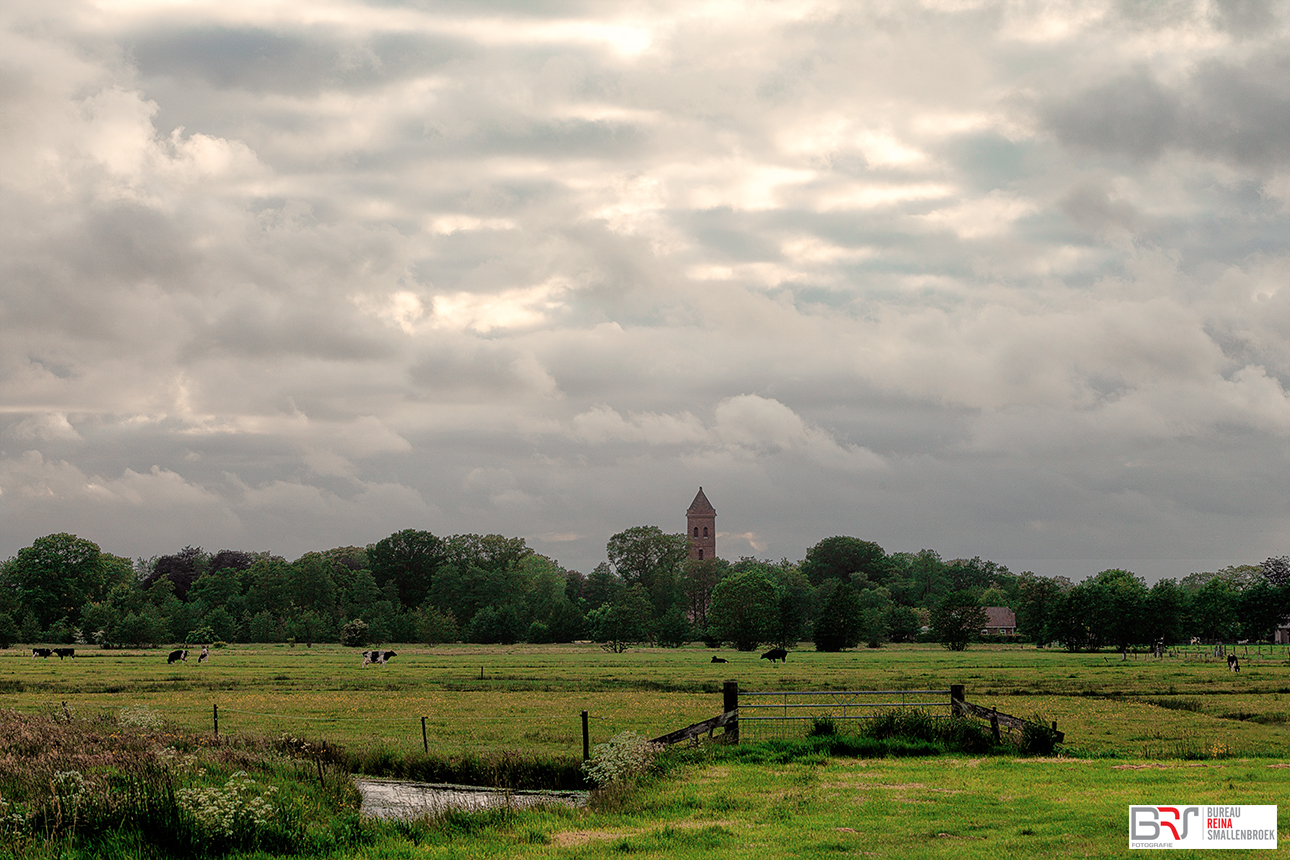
(701, 527)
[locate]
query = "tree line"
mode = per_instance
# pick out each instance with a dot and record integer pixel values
(414, 586)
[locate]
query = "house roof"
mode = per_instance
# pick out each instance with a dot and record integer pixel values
(701, 505)
(1000, 616)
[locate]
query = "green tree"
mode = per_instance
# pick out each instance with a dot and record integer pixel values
(846, 558)
(958, 619)
(674, 629)
(841, 620)
(8, 630)
(745, 609)
(623, 622)
(645, 555)
(1166, 612)
(435, 626)
(57, 575)
(1038, 597)
(408, 559)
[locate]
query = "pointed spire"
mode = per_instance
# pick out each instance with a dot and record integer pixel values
(701, 506)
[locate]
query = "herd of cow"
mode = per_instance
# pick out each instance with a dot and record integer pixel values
(772, 655)
(180, 655)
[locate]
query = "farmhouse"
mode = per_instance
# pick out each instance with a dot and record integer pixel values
(1000, 621)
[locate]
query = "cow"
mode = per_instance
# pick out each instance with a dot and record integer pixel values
(65, 652)
(1195, 640)
(775, 654)
(1233, 664)
(205, 655)
(41, 652)
(377, 657)
(177, 656)
(719, 660)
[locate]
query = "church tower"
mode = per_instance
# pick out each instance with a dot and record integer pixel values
(701, 527)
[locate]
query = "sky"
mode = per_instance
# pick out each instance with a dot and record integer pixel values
(1003, 279)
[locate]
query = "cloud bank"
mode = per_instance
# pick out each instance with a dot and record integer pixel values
(992, 278)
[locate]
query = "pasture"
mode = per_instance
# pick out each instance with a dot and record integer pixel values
(529, 697)
(1181, 729)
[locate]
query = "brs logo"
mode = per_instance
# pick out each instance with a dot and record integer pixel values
(1161, 822)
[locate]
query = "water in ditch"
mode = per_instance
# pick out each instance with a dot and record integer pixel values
(394, 798)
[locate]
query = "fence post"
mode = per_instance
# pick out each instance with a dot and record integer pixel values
(586, 738)
(958, 695)
(730, 702)
(215, 713)
(425, 742)
(994, 725)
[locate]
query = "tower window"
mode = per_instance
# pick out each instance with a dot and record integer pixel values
(700, 555)
(696, 531)
(705, 531)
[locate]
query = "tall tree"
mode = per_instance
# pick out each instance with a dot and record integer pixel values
(841, 620)
(745, 609)
(655, 560)
(408, 559)
(57, 575)
(958, 619)
(846, 558)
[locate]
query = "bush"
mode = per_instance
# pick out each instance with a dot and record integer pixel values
(354, 634)
(235, 814)
(622, 758)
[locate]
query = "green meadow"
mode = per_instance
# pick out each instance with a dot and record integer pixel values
(1182, 729)
(529, 697)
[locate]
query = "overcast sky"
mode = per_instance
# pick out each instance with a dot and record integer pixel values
(999, 279)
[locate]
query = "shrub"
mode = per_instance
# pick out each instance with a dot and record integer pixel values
(354, 634)
(139, 717)
(623, 757)
(236, 813)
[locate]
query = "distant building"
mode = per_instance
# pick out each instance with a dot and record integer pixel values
(1000, 621)
(701, 527)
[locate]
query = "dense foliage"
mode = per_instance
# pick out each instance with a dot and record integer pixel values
(414, 586)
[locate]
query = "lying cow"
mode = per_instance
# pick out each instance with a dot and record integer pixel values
(41, 652)
(1233, 664)
(775, 654)
(719, 660)
(65, 652)
(177, 656)
(377, 657)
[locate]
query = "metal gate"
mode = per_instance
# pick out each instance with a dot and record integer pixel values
(791, 713)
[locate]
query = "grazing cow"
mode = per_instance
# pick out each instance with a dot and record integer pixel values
(719, 660)
(775, 654)
(1233, 664)
(41, 652)
(1195, 640)
(177, 656)
(377, 657)
(65, 652)
(205, 655)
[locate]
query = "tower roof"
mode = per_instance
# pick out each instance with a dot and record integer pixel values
(701, 506)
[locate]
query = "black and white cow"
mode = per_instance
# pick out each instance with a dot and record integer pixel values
(65, 652)
(1233, 664)
(719, 660)
(41, 652)
(205, 655)
(179, 655)
(775, 654)
(377, 657)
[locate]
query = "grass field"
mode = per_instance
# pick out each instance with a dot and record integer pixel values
(530, 697)
(1178, 730)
